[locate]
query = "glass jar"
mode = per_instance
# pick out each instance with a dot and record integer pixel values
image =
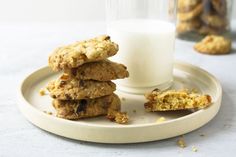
(198, 18)
(145, 33)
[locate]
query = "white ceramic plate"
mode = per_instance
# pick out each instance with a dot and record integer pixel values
(143, 126)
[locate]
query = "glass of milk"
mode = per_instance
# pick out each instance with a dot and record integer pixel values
(145, 33)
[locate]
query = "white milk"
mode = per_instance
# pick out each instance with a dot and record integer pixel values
(146, 47)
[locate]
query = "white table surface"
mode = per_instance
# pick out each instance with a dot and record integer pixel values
(24, 47)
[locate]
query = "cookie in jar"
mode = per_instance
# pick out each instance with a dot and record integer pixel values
(198, 18)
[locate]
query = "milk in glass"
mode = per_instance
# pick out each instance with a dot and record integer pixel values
(146, 47)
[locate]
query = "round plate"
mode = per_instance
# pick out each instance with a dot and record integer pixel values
(143, 125)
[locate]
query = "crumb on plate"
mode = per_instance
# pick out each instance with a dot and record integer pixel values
(42, 92)
(123, 99)
(48, 112)
(160, 120)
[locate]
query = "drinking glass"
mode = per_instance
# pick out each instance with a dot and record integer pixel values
(145, 33)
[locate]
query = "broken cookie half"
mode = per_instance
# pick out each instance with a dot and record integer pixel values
(171, 100)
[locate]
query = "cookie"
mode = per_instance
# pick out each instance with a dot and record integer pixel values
(74, 55)
(214, 20)
(187, 5)
(213, 44)
(175, 100)
(73, 89)
(107, 105)
(187, 26)
(104, 70)
(207, 30)
(196, 11)
(220, 6)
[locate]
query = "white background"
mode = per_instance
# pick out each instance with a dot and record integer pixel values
(54, 10)
(51, 10)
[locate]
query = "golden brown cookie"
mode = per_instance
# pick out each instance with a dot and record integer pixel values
(104, 70)
(196, 11)
(214, 20)
(220, 6)
(213, 44)
(74, 55)
(187, 5)
(207, 30)
(73, 89)
(175, 100)
(187, 26)
(77, 109)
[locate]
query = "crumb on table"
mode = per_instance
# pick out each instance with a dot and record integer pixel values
(194, 149)
(121, 118)
(181, 143)
(202, 135)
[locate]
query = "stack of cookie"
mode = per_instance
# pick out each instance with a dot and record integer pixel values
(85, 88)
(202, 16)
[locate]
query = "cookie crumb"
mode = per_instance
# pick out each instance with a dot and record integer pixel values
(121, 118)
(42, 92)
(181, 143)
(194, 149)
(160, 120)
(48, 112)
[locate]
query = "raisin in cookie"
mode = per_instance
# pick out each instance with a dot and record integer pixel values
(77, 109)
(104, 70)
(74, 55)
(175, 100)
(185, 16)
(213, 44)
(73, 89)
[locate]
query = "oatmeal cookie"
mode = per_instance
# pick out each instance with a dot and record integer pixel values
(74, 55)
(73, 89)
(104, 70)
(85, 108)
(196, 11)
(187, 26)
(187, 5)
(175, 100)
(213, 44)
(220, 6)
(214, 20)
(207, 30)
